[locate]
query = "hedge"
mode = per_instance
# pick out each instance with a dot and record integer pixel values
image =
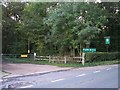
(102, 56)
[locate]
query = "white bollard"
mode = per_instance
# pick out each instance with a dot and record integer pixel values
(34, 55)
(83, 61)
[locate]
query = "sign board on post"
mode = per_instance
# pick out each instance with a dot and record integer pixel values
(107, 40)
(89, 49)
(24, 55)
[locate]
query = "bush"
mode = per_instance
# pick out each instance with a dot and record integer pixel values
(102, 56)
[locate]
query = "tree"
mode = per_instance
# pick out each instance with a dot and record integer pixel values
(73, 24)
(59, 28)
(11, 15)
(33, 24)
(112, 26)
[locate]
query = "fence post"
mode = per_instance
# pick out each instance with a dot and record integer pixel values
(34, 56)
(65, 59)
(83, 60)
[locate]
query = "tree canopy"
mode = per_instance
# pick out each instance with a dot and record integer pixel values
(59, 28)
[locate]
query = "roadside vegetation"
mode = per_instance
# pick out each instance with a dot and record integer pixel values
(91, 59)
(61, 29)
(61, 64)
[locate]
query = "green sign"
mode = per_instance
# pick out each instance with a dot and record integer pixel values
(107, 41)
(89, 49)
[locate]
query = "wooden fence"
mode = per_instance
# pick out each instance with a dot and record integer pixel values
(64, 59)
(42, 58)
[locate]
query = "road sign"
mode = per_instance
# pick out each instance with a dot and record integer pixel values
(24, 56)
(89, 49)
(107, 40)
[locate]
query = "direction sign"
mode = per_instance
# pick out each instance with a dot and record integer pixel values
(107, 40)
(89, 49)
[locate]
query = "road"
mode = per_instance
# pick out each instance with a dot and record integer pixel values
(94, 77)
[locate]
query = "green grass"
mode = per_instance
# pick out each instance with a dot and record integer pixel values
(60, 64)
(86, 64)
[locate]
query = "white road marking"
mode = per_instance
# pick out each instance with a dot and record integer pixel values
(27, 86)
(108, 68)
(81, 75)
(57, 80)
(96, 71)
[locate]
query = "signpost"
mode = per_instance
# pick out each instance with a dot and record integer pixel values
(107, 42)
(24, 55)
(89, 49)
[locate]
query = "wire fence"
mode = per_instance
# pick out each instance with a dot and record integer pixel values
(17, 57)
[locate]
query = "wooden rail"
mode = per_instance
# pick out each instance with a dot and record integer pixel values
(60, 59)
(41, 57)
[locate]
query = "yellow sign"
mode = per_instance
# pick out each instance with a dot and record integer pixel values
(24, 55)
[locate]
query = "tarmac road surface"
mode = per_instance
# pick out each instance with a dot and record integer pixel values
(95, 77)
(105, 78)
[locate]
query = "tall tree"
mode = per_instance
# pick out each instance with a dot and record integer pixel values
(11, 15)
(111, 28)
(34, 26)
(59, 28)
(73, 23)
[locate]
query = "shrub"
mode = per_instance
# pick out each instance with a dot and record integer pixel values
(102, 56)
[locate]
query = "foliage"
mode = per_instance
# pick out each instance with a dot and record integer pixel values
(34, 26)
(10, 36)
(68, 64)
(102, 56)
(73, 24)
(111, 28)
(59, 28)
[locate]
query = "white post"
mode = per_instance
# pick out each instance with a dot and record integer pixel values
(83, 58)
(65, 59)
(83, 61)
(34, 55)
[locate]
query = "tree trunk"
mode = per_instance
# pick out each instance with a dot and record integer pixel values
(80, 49)
(88, 45)
(73, 52)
